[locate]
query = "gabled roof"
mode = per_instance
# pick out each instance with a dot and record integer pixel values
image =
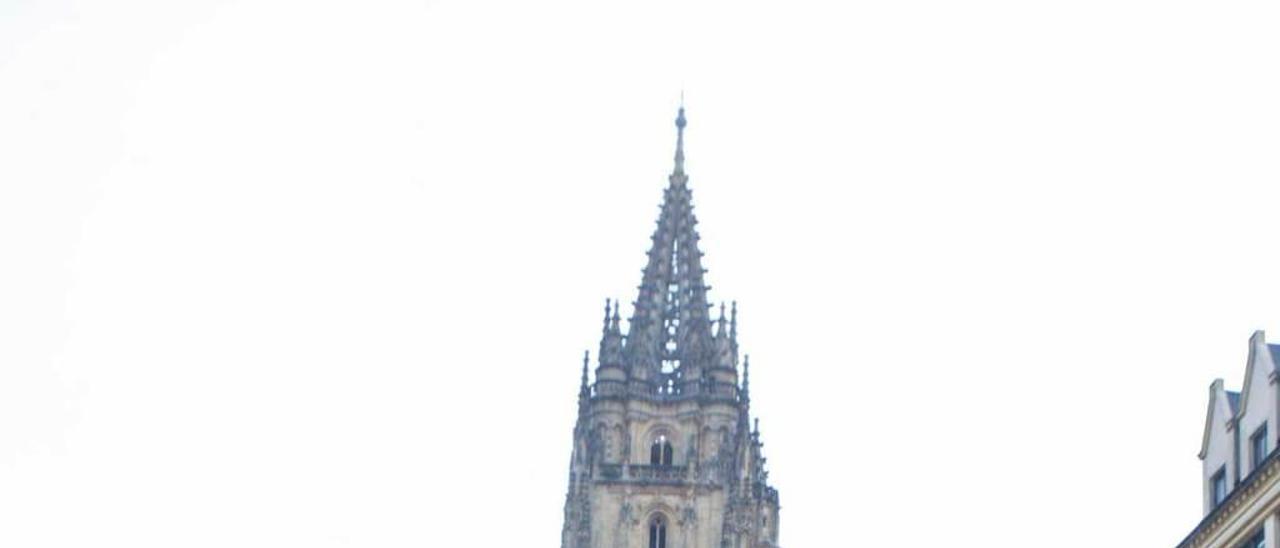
(1258, 350)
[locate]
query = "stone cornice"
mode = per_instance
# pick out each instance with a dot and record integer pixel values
(1251, 500)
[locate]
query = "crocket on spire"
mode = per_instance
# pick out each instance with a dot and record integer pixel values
(670, 331)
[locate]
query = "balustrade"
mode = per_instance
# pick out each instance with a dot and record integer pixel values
(655, 473)
(690, 390)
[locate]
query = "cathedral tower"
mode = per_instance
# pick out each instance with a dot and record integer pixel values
(664, 454)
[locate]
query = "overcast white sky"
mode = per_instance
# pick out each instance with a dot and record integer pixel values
(320, 274)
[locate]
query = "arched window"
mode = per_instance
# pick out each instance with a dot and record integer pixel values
(658, 532)
(660, 453)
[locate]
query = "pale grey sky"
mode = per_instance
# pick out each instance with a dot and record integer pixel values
(320, 274)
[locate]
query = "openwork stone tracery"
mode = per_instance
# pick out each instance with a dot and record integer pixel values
(665, 454)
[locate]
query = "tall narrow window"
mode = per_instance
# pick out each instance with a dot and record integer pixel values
(1218, 487)
(658, 532)
(1258, 446)
(660, 453)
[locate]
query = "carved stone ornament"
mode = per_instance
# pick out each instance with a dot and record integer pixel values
(742, 522)
(688, 516)
(627, 515)
(584, 515)
(673, 372)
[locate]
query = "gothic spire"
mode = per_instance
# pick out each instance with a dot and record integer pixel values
(606, 316)
(670, 324)
(611, 339)
(733, 323)
(585, 391)
(680, 123)
(721, 329)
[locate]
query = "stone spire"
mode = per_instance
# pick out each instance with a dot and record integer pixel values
(584, 391)
(679, 361)
(611, 341)
(733, 325)
(670, 327)
(680, 123)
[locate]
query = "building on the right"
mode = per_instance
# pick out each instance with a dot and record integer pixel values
(1240, 467)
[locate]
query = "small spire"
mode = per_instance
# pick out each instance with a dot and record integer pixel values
(733, 322)
(617, 316)
(746, 377)
(680, 123)
(606, 315)
(586, 360)
(720, 323)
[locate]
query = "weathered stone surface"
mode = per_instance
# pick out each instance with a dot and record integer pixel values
(663, 445)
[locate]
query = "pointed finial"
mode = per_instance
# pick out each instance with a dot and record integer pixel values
(606, 314)
(680, 123)
(757, 426)
(733, 322)
(720, 323)
(746, 377)
(584, 391)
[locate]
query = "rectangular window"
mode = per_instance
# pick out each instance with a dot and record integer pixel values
(1218, 486)
(1258, 446)
(1258, 540)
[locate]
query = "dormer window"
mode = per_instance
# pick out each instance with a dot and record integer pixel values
(1258, 446)
(1218, 487)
